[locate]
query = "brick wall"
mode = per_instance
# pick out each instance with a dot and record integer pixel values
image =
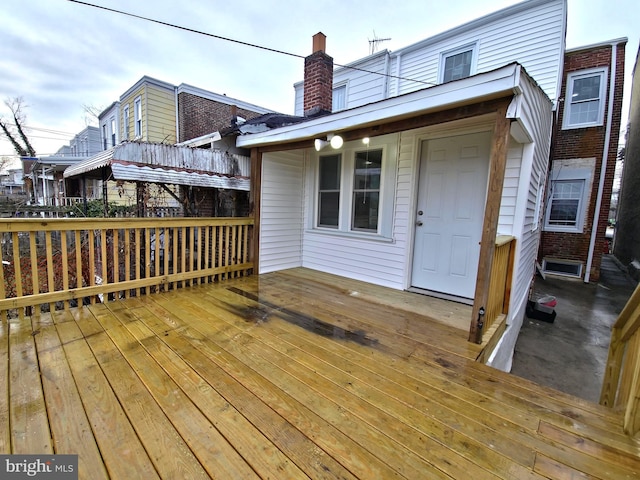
(318, 83)
(587, 143)
(199, 116)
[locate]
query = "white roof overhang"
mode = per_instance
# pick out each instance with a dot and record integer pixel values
(497, 83)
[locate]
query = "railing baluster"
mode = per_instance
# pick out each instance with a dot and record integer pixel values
(50, 266)
(33, 251)
(45, 257)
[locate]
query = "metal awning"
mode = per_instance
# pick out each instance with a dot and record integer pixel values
(168, 164)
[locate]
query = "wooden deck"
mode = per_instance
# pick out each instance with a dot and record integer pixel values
(287, 375)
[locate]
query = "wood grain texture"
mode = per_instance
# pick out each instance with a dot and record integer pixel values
(290, 375)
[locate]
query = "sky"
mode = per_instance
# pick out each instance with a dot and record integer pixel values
(62, 56)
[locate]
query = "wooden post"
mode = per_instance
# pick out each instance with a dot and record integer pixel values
(497, 166)
(254, 206)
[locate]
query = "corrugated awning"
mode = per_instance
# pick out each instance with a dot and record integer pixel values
(155, 174)
(168, 164)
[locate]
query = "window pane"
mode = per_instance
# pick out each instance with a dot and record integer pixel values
(339, 99)
(368, 168)
(457, 66)
(366, 190)
(565, 202)
(329, 191)
(365, 210)
(330, 172)
(585, 112)
(329, 209)
(587, 88)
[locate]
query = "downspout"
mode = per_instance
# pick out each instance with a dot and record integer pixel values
(603, 167)
(175, 93)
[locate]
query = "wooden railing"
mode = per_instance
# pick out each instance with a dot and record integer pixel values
(621, 383)
(500, 283)
(58, 263)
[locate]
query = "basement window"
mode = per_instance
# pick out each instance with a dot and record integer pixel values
(568, 268)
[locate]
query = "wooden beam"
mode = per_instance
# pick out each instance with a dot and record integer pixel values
(254, 206)
(419, 121)
(497, 166)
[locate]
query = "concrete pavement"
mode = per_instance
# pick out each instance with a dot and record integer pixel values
(570, 354)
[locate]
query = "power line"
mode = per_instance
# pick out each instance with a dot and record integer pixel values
(240, 42)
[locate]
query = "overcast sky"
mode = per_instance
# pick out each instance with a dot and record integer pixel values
(60, 55)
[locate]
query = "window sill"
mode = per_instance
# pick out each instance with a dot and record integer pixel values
(371, 237)
(583, 125)
(562, 230)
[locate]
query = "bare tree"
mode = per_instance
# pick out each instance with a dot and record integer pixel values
(91, 113)
(14, 131)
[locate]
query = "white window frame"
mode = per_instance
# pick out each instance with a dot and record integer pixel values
(343, 105)
(564, 174)
(137, 117)
(386, 196)
(603, 72)
(473, 47)
(112, 123)
(125, 122)
(104, 136)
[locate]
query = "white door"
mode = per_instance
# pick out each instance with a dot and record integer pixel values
(450, 213)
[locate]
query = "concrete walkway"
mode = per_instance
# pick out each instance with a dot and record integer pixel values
(570, 354)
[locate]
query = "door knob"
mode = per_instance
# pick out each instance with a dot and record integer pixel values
(419, 223)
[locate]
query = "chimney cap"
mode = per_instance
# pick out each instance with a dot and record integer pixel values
(319, 42)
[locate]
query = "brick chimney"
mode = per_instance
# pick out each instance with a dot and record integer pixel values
(318, 78)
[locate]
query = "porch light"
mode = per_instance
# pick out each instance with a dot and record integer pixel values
(335, 141)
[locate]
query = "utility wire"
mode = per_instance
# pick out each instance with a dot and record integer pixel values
(240, 42)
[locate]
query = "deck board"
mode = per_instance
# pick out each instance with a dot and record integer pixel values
(288, 375)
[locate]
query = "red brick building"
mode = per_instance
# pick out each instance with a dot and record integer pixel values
(582, 161)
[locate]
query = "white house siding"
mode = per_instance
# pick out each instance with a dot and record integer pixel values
(531, 33)
(535, 115)
(281, 220)
(510, 189)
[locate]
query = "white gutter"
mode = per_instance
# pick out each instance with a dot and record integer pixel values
(603, 167)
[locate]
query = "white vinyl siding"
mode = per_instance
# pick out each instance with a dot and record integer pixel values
(531, 33)
(281, 211)
(510, 189)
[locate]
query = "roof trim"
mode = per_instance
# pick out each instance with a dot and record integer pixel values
(216, 97)
(484, 86)
(606, 43)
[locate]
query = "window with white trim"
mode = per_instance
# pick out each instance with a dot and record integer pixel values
(125, 122)
(329, 170)
(104, 136)
(366, 190)
(113, 131)
(567, 200)
(137, 117)
(458, 63)
(355, 188)
(339, 98)
(585, 98)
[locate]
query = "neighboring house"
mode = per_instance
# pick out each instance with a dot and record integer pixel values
(415, 189)
(583, 161)
(512, 34)
(12, 182)
(626, 245)
(84, 144)
(109, 121)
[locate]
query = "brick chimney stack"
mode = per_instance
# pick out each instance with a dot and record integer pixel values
(318, 78)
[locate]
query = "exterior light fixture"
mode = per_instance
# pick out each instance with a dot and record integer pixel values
(365, 140)
(335, 141)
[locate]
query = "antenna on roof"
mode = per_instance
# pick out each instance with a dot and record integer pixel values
(373, 44)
